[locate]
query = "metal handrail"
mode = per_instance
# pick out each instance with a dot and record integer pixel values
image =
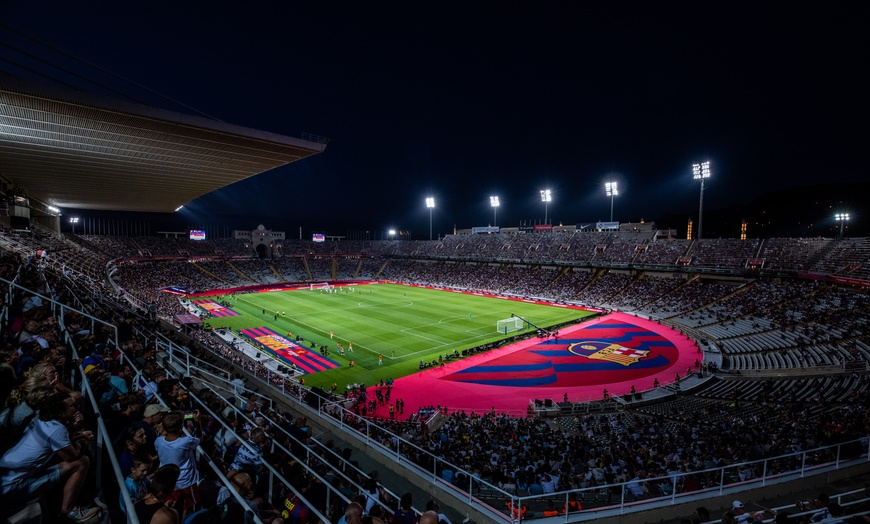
(366, 436)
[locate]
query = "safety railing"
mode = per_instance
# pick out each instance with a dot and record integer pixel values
(641, 493)
(773, 469)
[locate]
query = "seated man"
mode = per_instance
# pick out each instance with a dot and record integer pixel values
(250, 456)
(25, 468)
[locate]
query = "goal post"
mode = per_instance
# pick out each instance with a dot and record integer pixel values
(509, 324)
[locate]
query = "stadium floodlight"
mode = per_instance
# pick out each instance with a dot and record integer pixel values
(74, 221)
(430, 203)
(177, 209)
(701, 172)
(392, 233)
(842, 218)
(493, 201)
(611, 191)
(546, 198)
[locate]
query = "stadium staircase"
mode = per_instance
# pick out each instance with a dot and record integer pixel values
(381, 270)
(277, 274)
(209, 273)
(561, 273)
(760, 249)
(306, 268)
(691, 248)
(626, 288)
(822, 253)
(596, 275)
(241, 273)
(358, 269)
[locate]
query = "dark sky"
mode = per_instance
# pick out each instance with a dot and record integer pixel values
(463, 100)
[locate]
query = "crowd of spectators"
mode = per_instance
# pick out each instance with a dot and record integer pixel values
(172, 443)
(829, 256)
(724, 252)
(520, 455)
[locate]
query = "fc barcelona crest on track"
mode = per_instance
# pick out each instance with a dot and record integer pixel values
(596, 354)
(608, 351)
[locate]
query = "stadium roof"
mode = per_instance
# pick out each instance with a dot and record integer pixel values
(74, 150)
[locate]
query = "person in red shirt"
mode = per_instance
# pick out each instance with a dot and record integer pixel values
(295, 510)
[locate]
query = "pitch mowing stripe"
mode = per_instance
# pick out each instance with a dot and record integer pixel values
(403, 319)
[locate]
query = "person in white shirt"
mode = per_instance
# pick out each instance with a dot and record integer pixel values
(238, 385)
(175, 448)
(26, 469)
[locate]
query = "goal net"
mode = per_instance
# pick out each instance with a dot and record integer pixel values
(509, 324)
(324, 286)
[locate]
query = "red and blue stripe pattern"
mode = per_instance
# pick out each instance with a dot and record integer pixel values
(303, 358)
(632, 353)
(216, 310)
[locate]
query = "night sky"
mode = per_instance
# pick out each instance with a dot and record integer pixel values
(463, 100)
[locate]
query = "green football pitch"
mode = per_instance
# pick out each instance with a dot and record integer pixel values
(404, 324)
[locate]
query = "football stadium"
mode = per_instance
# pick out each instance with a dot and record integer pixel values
(609, 372)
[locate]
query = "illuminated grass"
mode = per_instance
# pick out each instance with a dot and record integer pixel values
(404, 324)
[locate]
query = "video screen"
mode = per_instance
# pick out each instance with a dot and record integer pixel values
(318, 237)
(197, 234)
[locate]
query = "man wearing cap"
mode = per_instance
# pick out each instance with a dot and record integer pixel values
(95, 360)
(741, 516)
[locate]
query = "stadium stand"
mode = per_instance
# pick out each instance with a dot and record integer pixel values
(789, 400)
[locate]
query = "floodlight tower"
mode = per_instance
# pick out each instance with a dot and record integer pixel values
(74, 221)
(701, 172)
(493, 201)
(546, 198)
(842, 218)
(430, 203)
(611, 191)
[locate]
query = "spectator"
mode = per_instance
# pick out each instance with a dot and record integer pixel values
(295, 510)
(429, 517)
(152, 423)
(129, 411)
(27, 467)
(238, 385)
(635, 486)
(352, 515)
(132, 443)
(175, 448)
(373, 493)
(573, 504)
(137, 481)
(244, 485)
(250, 455)
(224, 438)
(152, 509)
(405, 515)
(434, 506)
